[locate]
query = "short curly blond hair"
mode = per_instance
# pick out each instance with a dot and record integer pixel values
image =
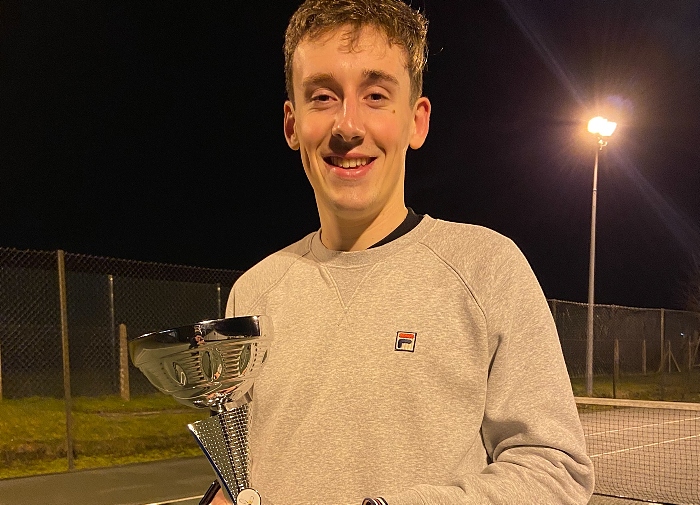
(401, 24)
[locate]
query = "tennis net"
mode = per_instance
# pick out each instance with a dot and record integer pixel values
(646, 451)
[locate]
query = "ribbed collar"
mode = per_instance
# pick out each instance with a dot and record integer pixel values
(343, 259)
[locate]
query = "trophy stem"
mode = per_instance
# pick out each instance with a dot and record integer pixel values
(223, 439)
(236, 449)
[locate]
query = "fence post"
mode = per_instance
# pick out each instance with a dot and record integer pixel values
(616, 367)
(66, 357)
(644, 356)
(112, 319)
(123, 364)
(663, 347)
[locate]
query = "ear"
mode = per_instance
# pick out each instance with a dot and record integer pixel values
(421, 122)
(290, 126)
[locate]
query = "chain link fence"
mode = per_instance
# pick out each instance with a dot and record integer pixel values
(65, 318)
(648, 340)
(101, 295)
(104, 293)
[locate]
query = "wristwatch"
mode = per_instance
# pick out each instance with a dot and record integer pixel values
(374, 501)
(248, 496)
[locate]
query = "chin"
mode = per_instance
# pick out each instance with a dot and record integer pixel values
(350, 209)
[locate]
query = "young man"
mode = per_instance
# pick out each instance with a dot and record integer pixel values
(415, 361)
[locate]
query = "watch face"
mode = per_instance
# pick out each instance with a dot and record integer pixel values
(248, 497)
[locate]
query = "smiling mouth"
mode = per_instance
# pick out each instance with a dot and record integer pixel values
(347, 162)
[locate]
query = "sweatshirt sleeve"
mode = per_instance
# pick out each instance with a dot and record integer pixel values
(531, 430)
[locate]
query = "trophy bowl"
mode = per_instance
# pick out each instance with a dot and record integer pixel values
(212, 364)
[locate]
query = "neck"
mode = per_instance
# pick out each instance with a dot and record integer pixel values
(357, 233)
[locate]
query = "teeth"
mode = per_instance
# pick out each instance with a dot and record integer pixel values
(349, 163)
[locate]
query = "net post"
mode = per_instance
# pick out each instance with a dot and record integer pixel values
(644, 357)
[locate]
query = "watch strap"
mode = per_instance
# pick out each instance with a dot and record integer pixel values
(374, 501)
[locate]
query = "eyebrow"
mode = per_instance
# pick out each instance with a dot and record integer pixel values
(370, 77)
(319, 79)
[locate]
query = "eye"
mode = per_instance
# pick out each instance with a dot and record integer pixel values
(321, 98)
(376, 97)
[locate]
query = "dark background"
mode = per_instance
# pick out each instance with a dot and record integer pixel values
(153, 131)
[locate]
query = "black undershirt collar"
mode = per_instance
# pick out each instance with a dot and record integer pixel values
(410, 221)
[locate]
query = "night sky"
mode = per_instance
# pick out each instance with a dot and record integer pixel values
(153, 131)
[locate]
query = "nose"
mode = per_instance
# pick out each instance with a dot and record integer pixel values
(348, 122)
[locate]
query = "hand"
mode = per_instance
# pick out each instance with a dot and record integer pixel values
(220, 499)
(246, 497)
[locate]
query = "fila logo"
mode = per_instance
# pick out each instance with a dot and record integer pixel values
(405, 341)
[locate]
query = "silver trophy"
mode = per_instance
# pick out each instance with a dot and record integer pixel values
(212, 364)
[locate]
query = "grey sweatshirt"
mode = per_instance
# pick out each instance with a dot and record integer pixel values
(425, 371)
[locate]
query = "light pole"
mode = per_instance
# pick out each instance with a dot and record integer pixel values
(601, 128)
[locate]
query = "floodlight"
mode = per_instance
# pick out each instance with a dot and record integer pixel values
(601, 126)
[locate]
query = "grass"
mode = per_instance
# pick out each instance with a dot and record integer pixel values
(107, 431)
(683, 387)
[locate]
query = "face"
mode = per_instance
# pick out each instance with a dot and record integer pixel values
(352, 121)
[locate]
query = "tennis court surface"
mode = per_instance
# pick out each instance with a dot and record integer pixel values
(648, 451)
(176, 481)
